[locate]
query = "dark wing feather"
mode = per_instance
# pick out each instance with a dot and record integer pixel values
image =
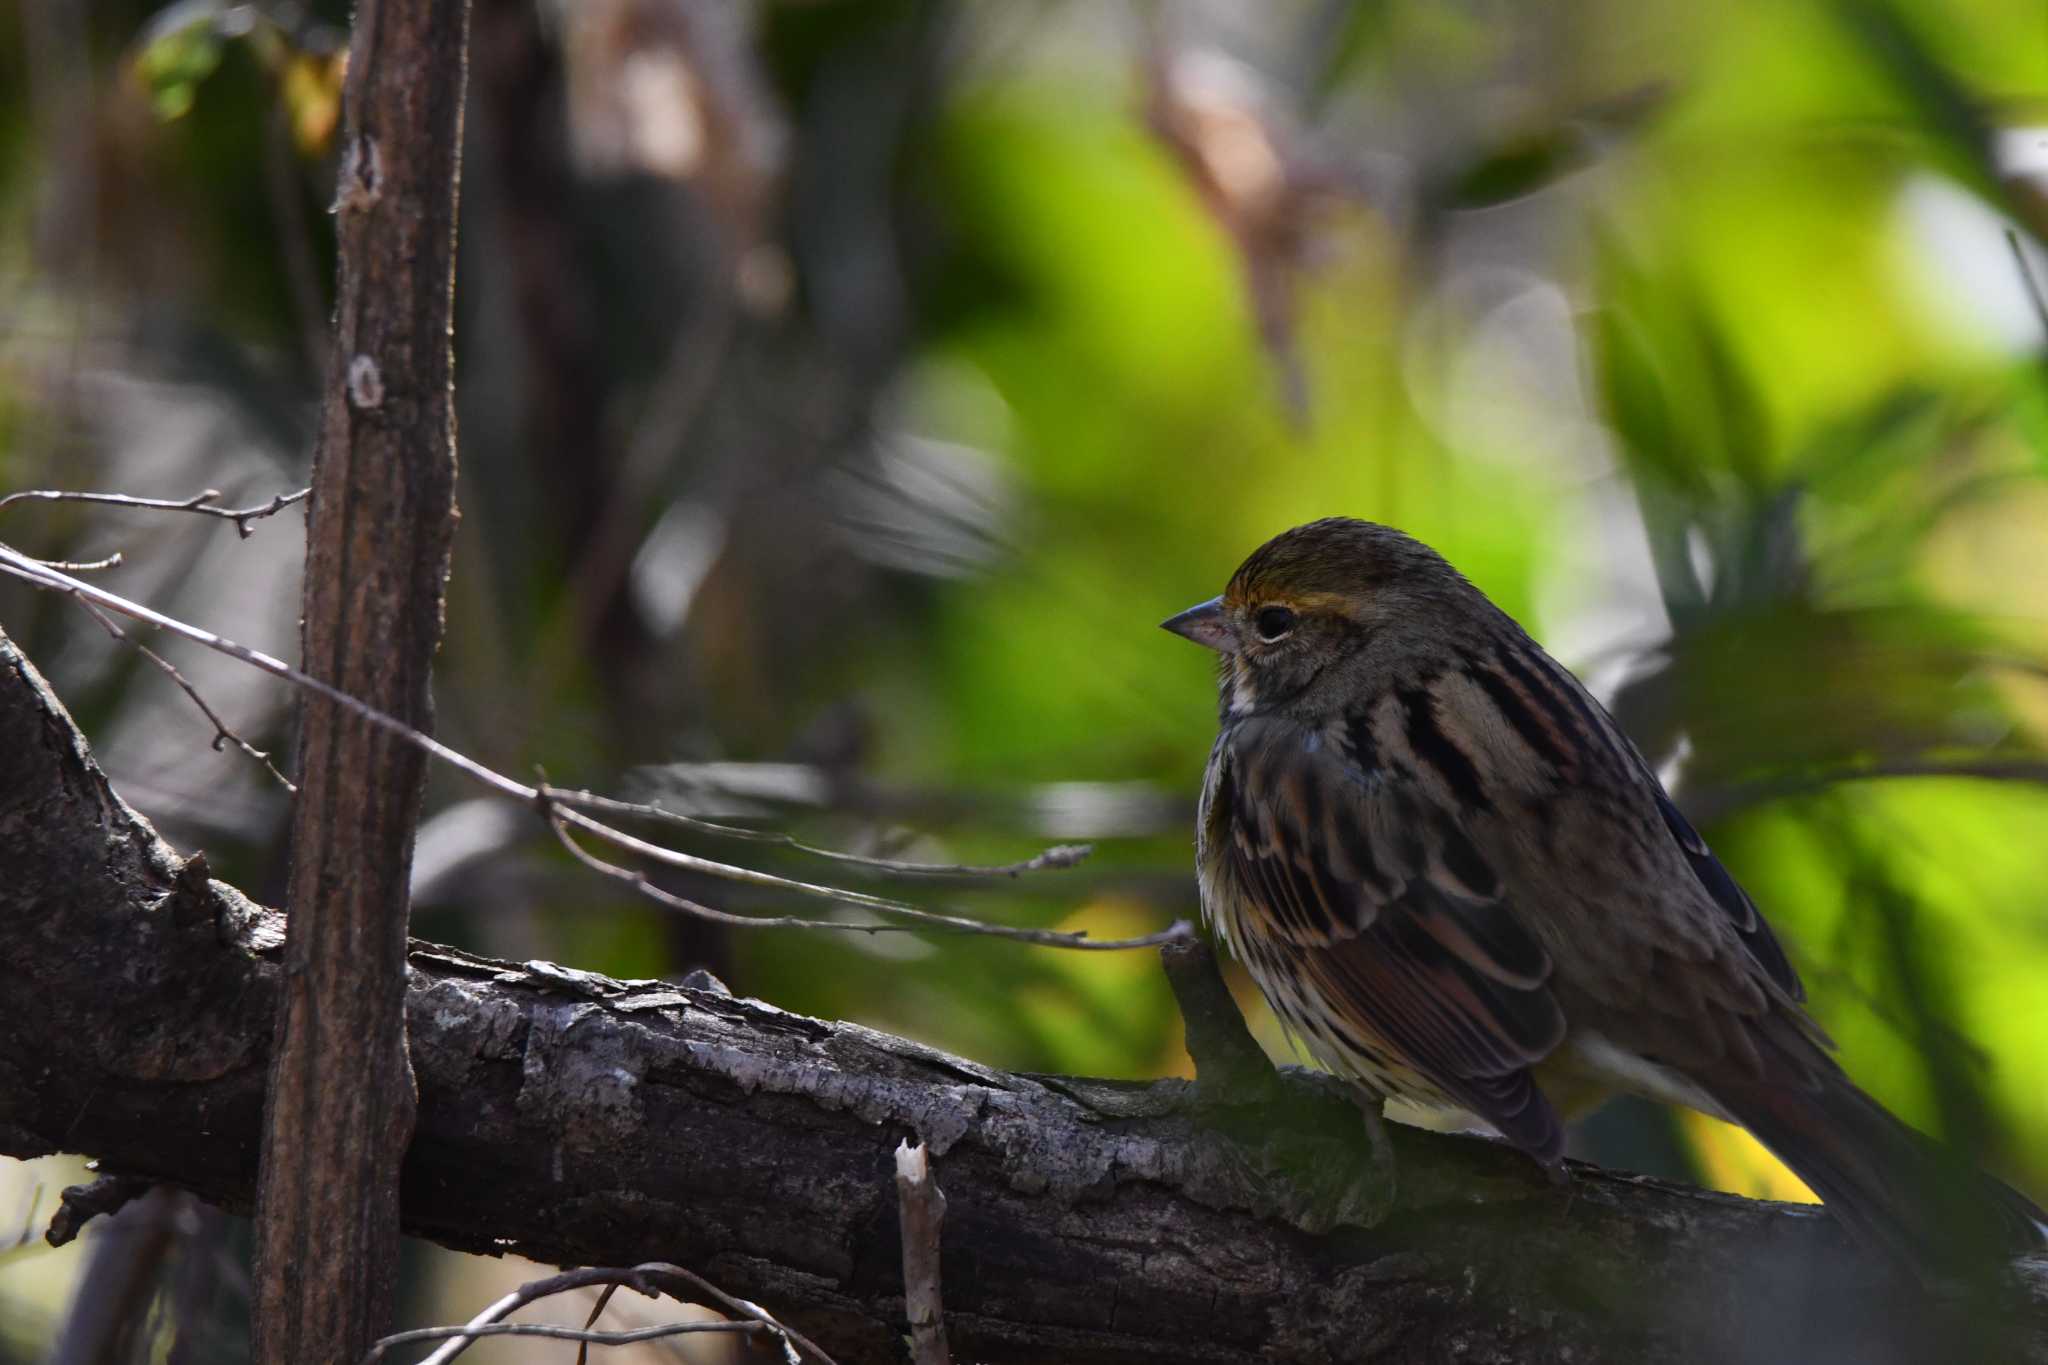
(1371, 892)
(1728, 894)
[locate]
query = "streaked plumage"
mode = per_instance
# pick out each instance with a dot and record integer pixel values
(1458, 882)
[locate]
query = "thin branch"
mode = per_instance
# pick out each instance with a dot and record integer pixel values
(1059, 856)
(640, 884)
(731, 1306)
(690, 862)
(559, 817)
(604, 1297)
(200, 503)
(648, 1278)
(221, 733)
(544, 800)
(921, 1208)
(589, 1336)
(112, 561)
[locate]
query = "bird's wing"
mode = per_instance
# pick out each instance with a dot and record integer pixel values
(1554, 756)
(1545, 735)
(1750, 923)
(1362, 884)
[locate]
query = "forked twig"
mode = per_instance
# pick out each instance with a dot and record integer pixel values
(589, 1336)
(200, 503)
(221, 733)
(559, 817)
(650, 1278)
(1056, 857)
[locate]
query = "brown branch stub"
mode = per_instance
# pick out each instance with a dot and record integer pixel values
(1228, 1060)
(340, 1106)
(921, 1210)
(79, 1204)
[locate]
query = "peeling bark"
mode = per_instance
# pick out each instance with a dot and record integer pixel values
(580, 1120)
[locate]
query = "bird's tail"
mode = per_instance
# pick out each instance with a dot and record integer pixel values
(1897, 1189)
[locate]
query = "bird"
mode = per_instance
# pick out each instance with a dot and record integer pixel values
(1458, 882)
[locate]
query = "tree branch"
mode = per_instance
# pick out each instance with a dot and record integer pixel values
(579, 1120)
(341, 1102)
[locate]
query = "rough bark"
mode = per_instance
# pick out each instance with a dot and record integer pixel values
(341, 1101)
(580, 1120)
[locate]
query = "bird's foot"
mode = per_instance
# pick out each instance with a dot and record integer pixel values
(1369, 1198)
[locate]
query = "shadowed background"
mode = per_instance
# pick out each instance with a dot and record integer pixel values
(847, 390)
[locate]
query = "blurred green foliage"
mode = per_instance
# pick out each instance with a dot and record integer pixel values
(1696, 335)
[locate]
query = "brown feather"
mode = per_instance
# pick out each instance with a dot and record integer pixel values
(1423, 963)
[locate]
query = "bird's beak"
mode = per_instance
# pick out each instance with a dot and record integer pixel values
(1205, 625)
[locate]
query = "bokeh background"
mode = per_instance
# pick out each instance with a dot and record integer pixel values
(848, 389)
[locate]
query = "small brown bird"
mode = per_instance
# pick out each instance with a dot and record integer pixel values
(1457, 882)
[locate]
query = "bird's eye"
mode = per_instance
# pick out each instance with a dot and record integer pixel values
(1273, 623)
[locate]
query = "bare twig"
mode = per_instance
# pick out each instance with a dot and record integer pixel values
(596, 1311)
(1058, 856)
(712, 1296)
(545, 801)
(651, 1278)
(559, 818)
(201, 503)
(221, 733)
(112, 561)
(589, 1336)
(921, 1208)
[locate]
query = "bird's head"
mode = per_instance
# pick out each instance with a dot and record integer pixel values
(1313, 598)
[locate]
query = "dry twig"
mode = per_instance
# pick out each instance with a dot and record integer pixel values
(651, 1278)
(560, 817)
(1058, 856)
(921, 1208)
(221, 733)
(200, 503)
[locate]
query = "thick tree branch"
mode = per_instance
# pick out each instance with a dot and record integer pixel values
(341, 1104)
(580, 1120)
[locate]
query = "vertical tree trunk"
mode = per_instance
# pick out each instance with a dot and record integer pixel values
(340, 1107)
